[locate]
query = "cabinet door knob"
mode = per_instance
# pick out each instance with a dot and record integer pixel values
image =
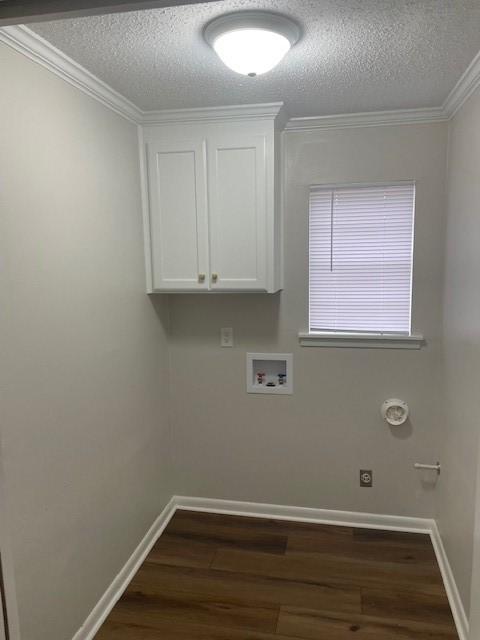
(201, 277)
(214, 277)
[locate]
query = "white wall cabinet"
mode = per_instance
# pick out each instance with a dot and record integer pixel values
(213, 184)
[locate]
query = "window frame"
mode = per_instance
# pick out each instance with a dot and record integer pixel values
(370, 339)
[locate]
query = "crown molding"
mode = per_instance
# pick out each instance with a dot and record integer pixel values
(268, 111)
(36, 48)
(468, 83)
(39, 50)
(465, 87)
(367, 119)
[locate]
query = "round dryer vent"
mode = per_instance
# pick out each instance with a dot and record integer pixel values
(394, 411)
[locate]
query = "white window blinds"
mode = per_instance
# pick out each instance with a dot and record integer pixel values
(361, 248)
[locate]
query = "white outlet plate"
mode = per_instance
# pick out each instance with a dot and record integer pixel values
(226, 337)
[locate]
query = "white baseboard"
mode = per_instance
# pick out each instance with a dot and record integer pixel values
(106, 603)
(451, 588)
(278, 512)
(305, 514)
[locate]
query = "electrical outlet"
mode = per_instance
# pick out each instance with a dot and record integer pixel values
(226, 337)
(366, 477)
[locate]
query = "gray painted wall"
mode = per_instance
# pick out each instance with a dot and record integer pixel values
(461, 363)
(83, 361)
(307, 449)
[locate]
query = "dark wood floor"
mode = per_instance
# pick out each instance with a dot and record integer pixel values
(232, 578)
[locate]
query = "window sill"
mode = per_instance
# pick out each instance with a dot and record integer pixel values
(361, 340)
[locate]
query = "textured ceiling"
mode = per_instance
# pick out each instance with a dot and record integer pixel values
(354, 55)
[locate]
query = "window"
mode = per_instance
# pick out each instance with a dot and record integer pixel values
(361, 250)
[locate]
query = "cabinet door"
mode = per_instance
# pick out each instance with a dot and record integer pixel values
(178, 224)
(237, 212)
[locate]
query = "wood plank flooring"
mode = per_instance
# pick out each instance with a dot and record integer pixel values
(218, 577)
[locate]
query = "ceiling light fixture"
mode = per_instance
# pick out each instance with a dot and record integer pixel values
(251, 42)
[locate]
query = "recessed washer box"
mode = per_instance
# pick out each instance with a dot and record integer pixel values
(270, 373)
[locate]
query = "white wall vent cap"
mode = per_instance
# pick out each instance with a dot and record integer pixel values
(395, 411)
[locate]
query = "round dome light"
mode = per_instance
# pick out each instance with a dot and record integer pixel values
(251, 42)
